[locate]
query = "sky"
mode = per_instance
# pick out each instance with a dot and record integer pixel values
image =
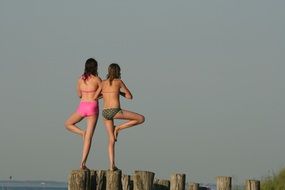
(207, 75)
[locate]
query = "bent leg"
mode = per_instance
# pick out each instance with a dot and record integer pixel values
(91, 125)
(70, 124)
(109, 124)
(134, 119)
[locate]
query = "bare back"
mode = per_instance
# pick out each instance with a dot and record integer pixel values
(89, 89)
(111, 93)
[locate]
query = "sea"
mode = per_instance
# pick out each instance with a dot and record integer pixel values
(32, 185)
(53, 185)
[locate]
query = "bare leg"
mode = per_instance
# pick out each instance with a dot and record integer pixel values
(70, 124)
(91, 125)
(109, 124)
(134, 119)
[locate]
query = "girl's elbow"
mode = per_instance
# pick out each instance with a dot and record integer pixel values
(129, 97)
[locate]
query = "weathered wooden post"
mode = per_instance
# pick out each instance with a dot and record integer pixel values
(143, 180)
(252, 185)
(177, 182)
(161, 184)
(79, 180)
(126, 182)
(113, 180)
(100, 180)
(224, 183)
(132, 182)
(194, 186)
(93, 179)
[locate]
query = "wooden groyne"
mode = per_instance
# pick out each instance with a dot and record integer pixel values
(142, 180)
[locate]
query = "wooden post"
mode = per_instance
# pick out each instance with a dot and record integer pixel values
(132, 182)
(79, 180)
(252, 185)
(224, 183)
(93, 179)
(194, 186)
(161, 184)
(113, 180)
(177, 182)
(101, 180)
(143, 180)
(126, 182)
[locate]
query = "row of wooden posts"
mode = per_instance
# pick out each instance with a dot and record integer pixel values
(141, 180)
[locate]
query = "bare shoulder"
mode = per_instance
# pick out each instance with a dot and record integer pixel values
(122, 82)
(119, 81)
(98, 79)
(79, 80)
(104, 81)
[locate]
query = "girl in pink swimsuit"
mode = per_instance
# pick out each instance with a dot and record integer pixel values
(88, 90)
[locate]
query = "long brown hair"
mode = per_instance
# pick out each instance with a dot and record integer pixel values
(114, 72)
(91, 67)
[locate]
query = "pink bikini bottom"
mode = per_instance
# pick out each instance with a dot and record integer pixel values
(88, 108)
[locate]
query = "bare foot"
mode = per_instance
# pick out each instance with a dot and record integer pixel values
(116, 133)
(114, 168)
(84, 167)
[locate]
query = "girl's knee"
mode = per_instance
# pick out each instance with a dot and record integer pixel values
(66, 124)
(141, 119)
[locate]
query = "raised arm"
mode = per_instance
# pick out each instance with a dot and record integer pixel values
(125, 91)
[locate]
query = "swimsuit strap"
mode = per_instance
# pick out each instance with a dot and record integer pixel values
(88, 91)
(109, 92)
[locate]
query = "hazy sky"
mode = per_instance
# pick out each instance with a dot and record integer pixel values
(207, 75)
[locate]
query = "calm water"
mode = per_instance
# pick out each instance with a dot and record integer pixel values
(33, 188)
(40, 185)
(32, 185)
